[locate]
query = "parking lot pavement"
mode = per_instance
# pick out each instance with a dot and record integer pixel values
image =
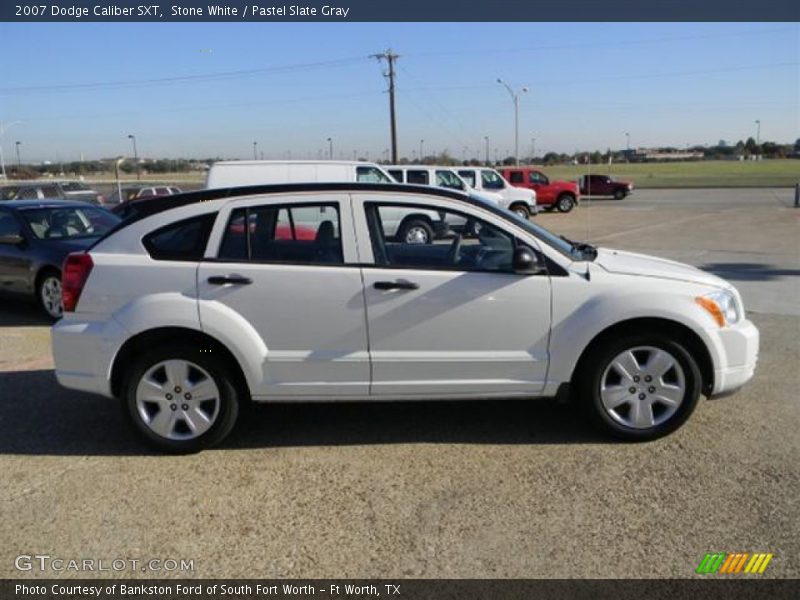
(750, 237)
(472, 489)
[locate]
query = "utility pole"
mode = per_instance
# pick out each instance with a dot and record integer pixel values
(132, 138)
(19, 162)
(390, 57)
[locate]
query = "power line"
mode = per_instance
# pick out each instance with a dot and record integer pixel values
(610, 43)
(583, 81)
(221, 75)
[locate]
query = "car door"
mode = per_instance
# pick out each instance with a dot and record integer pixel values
(287, 269)
(15, 259)
(450, 318)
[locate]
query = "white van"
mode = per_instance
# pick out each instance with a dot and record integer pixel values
(519, 200)
(445, 177)
(231, 173)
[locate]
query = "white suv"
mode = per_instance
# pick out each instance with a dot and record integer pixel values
(299, 292)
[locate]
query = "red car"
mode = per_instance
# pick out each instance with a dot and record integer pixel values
(603, 185)
(562, 195)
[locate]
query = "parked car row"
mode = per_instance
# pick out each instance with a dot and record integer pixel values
(51, 190)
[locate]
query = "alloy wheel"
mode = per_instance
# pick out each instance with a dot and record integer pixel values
(177, 400)
(642, 387)
(50, 293)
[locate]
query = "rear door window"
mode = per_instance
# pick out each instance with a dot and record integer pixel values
(469, 177)
(296, 234)
(417, 176)
(184, 240)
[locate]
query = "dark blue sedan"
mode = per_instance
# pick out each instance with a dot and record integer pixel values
(36, 236)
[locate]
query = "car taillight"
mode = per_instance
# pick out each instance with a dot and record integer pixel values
(77, 267)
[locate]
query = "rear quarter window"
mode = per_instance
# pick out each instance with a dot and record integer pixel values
(184, 240)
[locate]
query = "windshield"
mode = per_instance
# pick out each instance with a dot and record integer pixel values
(564, 246)
(371, 175)
(69, 222)
(74, 186)
(8, 193)
(449, 179)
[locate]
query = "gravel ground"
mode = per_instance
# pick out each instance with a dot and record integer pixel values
(445, 489)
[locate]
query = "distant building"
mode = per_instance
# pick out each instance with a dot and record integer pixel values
(661, 155)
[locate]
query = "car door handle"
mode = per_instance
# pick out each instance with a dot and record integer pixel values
(234, 279)
(395, 285)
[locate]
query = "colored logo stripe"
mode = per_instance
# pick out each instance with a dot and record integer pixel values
(758, 563)
(734, 563)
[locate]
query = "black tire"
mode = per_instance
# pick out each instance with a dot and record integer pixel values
(522, 210)
(45, 280)
(594, 368)
(619, 194)
(228, 407)
(409, 227)
(565, 203)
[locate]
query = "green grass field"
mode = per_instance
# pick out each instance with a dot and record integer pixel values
(716, 173)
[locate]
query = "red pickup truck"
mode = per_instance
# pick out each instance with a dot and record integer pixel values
(562, 195)
(603, 185)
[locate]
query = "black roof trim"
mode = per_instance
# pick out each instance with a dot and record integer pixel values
(146, 207)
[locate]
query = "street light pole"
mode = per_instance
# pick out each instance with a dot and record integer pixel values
(135, 154)
(533, 150)
(515, 98)
(19, 162)
(758, 132)
(420, 150)
(330, 148)
(255, 150)
(3, 129)
(486, 139)
(627, 141)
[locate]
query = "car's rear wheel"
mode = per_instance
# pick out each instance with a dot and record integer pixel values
(48, 292)
(180, 400)
(641, 387)
(619, 194)
(565, 203)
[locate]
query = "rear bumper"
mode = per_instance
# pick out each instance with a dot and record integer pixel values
(83, 352)
(738, 354)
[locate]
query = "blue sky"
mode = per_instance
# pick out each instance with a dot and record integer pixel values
(666, 84)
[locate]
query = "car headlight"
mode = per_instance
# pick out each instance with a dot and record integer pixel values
(722, 306)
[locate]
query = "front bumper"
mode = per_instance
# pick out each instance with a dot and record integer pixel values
(737, 349)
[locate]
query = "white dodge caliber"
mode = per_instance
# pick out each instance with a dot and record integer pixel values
(206, 300)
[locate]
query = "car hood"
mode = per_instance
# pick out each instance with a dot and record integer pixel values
(631, 263)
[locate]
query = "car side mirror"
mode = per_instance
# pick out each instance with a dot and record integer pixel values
(11, 239)
(527, 262)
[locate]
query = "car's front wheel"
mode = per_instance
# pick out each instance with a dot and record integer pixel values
(619, 194)
(641, 387)
(522, 211)
(48, 292)
(565, 203)
(179, 399)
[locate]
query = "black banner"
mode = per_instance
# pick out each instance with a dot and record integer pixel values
(733, 588)
(405, 11)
